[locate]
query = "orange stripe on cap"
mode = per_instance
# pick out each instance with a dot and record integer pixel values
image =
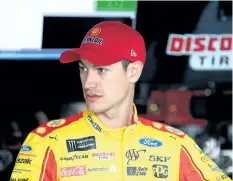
(49, 167)
(194, 165)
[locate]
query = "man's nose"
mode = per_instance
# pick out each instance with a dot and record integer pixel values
(90, 80)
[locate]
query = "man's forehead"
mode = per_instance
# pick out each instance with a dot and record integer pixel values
(86, 62)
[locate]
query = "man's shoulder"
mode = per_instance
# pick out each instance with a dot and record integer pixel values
(162, 127)
(56, 125)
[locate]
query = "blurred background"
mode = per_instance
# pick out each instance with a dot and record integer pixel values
(187, 80)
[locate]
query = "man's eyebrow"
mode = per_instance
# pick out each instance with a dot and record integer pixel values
(80, 62)
(85, 65)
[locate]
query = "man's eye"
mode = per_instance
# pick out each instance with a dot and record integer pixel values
(81, 68)
(101, 70)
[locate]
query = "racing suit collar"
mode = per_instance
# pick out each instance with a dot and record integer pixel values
(99, 127)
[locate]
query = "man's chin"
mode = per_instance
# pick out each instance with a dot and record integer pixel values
(95, 108)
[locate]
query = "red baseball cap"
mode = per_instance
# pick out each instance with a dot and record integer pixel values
(108, 42)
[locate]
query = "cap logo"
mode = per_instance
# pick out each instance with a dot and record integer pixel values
(96, 31)
(93, 39)
(133, 53)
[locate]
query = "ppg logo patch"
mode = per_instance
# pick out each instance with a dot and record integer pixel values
(160, 171)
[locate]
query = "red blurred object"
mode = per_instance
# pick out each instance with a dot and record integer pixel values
(172, 107)
(178, 108)
(156, 106)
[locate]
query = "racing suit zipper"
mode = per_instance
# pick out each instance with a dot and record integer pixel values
(122, 158)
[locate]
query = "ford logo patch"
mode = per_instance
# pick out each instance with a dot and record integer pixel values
(26, 148)
(150, 142)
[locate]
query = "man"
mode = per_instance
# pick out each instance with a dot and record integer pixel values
(108, 141)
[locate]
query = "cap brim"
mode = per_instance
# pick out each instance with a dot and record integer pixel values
(96, 57)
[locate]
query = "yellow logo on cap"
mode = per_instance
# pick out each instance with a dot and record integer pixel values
(95, 31)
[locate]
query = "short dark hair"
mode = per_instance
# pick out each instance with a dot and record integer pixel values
(125, 63)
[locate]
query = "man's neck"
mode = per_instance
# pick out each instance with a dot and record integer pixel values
(118, 116)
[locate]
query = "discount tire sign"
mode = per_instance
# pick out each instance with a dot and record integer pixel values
(206, 52)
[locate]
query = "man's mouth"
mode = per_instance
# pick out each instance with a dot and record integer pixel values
(92, 97)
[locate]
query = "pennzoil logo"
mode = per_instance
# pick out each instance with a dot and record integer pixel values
(96, 31)
(93, 39)
(56, 123)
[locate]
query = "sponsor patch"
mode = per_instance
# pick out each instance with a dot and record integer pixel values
(137, 171)
(156, 158)
(19, 179)
(175, 131)
(160, 171)
(96, 31)
(214, 167)
(150, 142)
(53, 137)
(20, 171)
(103, 155)
(101, 169)
(81, 144)
(26, 161)
(94, 124)
(25, 148)
(56, 123)
(93, 39)
(133, 155)
(73, 171)
(41, 130)
(157, 125)
(205, 158)
(73, 157)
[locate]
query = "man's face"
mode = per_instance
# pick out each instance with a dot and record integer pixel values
(103, 86)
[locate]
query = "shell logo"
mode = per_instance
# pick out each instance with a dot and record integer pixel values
(41, 130)
(157, 125)
(175, 130)
(56, 123)
(96, 31)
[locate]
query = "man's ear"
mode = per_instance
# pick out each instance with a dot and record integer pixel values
(134, 71)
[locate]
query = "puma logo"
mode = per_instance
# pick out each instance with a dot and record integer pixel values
(53, 137)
